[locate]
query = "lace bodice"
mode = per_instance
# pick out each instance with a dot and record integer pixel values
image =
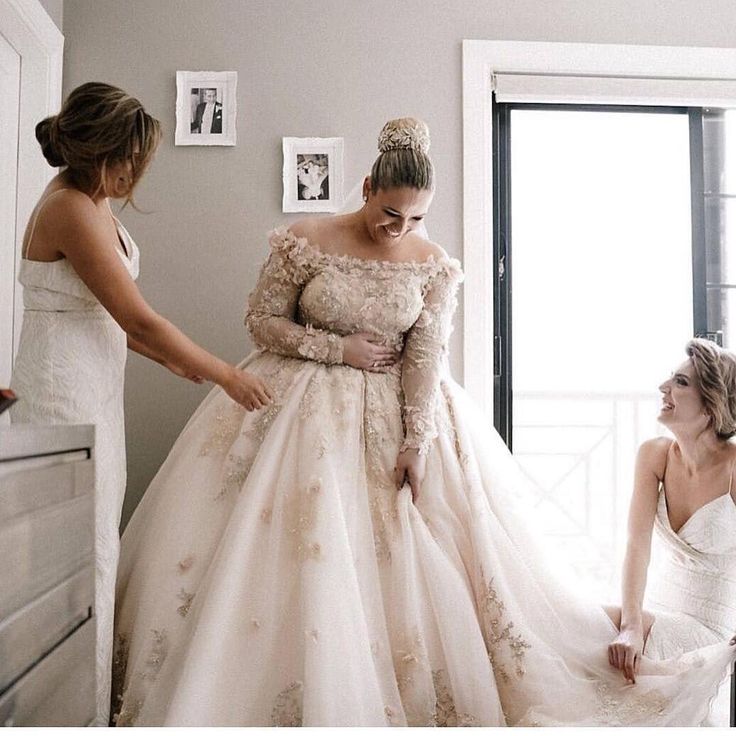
(306, 301)
(698, 572)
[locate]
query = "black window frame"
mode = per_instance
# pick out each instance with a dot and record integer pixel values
(502, 240)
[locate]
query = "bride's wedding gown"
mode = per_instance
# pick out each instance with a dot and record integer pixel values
(273, 575)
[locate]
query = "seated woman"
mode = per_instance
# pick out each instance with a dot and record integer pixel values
(684, 489)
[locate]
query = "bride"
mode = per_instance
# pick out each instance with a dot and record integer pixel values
(351, 554)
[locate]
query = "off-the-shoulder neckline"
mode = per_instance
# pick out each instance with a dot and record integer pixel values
(431, 262)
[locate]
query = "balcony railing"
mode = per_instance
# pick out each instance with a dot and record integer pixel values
(579, 450)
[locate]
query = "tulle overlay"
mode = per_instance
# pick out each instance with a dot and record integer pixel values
(273, 575)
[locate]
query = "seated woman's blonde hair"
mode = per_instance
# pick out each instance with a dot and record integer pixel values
(715, 370)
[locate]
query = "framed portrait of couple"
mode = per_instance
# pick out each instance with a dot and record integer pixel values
(313, 174)
(205, 108)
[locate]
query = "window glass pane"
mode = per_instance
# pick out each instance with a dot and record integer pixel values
(601, 310)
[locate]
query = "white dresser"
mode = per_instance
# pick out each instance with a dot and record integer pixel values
(47, 624)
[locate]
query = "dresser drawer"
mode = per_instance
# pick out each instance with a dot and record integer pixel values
(60, 690)
(31, 484)
(40, 549)
(35, 629)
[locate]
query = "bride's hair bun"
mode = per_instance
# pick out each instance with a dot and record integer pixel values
(47, 134)
(403, 160)
(404, 133)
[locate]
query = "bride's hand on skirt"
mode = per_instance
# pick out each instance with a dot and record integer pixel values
(411, 466)
(366, 352)
(624, 652)
(248, 390)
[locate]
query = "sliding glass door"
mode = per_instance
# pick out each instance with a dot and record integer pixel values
(594, 304)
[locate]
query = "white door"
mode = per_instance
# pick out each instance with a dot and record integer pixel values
(30, 89)
(9, 113)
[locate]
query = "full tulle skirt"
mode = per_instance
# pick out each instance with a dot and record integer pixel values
(274, 575)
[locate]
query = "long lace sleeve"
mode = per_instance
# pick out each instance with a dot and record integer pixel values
(424, 353)
(272, 306)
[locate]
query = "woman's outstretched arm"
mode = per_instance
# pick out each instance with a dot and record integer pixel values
(83, 240)
(625, 651)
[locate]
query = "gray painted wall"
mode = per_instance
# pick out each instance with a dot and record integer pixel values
(306, 68)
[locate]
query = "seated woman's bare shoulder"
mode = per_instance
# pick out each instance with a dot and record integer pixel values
(652, 455)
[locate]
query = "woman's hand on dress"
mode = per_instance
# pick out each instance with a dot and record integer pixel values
(411, 466)
(248, 390)
(624, 652)
(366, 352)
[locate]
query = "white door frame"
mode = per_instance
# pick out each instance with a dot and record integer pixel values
(9, 109)
(40, 44)
(483, 59)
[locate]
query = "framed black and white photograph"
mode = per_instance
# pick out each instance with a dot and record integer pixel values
(205, 108)
(313, 174)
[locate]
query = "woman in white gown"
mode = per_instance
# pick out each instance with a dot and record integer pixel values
(279, 572)
(684, 489)
(82, 309)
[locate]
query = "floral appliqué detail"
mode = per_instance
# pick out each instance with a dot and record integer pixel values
(131, 700)
(287, 707)
(306, 547)
(224, 430)
(499, 632)
(445, 713)
(629, 707)
(187, 599)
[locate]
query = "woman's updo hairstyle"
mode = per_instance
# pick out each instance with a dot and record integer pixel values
(715, 369)
(403, 160)
(99, 125)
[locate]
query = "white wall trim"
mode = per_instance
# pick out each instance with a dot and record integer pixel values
(483, 59)
(40, 45)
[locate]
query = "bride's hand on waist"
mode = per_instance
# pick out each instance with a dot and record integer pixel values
(366, 352)
(625, 652)
(248, 390)
(411, 467)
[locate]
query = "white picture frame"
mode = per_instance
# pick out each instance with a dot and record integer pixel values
(313, 175)
(194, 90)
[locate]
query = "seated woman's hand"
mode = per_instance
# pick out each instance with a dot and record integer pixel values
(248, 390)
(411, 466)
(366, 352)
(624, 652)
